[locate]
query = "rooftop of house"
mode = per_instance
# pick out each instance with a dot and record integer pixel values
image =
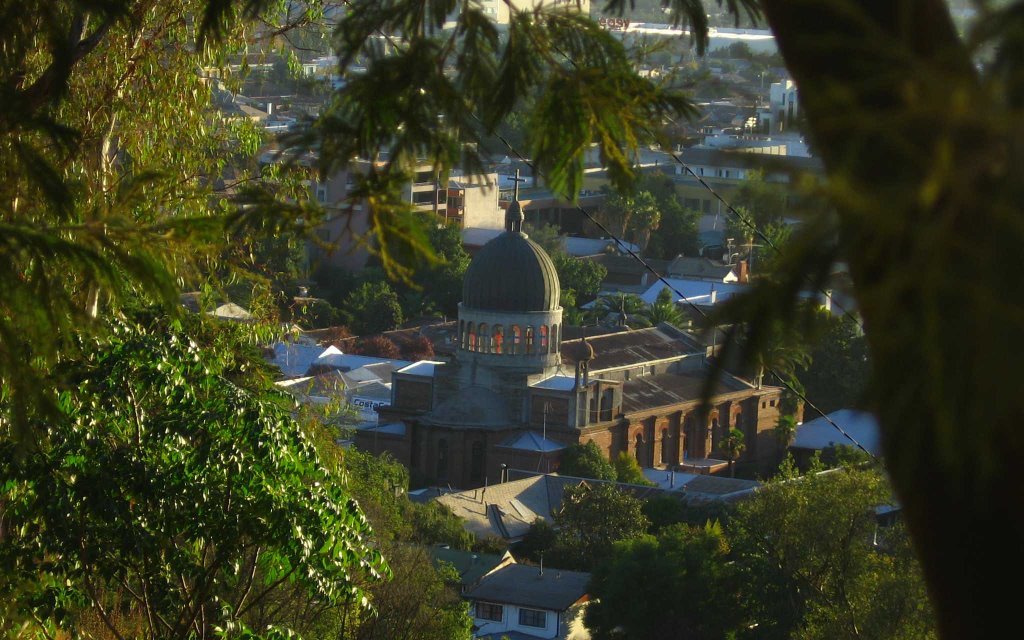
(694, 291)
(471, 566)
(296, 359)
(821, 434)
(527, 586)
(699, 268)
(531, 441)
(633, 348)
(650, 392)
(699, 486)
(507, 510)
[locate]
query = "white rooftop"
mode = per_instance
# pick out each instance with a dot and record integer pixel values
(556, 383)
(820, 434)
(532, 441)
(695, 291)
(421, 368)
(477, 237)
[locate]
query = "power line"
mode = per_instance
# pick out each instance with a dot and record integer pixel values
(750, 225)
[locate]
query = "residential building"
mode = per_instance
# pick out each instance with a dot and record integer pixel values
(342, 238)
(520, 601)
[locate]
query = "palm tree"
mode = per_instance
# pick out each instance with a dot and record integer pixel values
(785, 431)
(612, 308)
(665, 312)
(733, 447)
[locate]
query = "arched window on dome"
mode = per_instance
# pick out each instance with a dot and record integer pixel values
(554, 338)
(498, 339)
(483, 339)
(517, 339)
(544, 343)
(470, 337)
(529, 340)
(462, 334)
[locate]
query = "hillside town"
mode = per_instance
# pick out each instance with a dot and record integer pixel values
(507, 319)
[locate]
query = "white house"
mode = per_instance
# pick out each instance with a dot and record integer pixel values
(525, 602)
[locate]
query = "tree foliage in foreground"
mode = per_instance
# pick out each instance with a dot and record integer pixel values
(113, 161)
(173, 496)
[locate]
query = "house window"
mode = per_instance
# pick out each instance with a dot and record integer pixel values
(321, 194)
(532, 618)
(488, 611)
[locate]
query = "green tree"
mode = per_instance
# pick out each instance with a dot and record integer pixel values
(372, 308)
(581, 275)
(664, 309)
(805, 550)
(677, 585)
(540, 538)
(609, 309)
(174, 495)
(839, 369)
(784, 432)
(547, 236)
(677, 232)
(628, 470)
(439, 282)
(417, 603)
(631, 217)
(763, 203)
(592, 518)
(112, 158)
(586, 461)
(733, 447)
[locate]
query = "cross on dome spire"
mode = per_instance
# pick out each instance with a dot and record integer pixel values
(514, 214)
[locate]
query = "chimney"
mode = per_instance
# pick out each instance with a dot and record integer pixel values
(541, 564)
(714, 294)
(270, 108)
(742, 272)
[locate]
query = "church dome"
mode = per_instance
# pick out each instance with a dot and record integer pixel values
(511, 273)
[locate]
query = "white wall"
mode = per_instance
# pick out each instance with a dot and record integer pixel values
(510, 622)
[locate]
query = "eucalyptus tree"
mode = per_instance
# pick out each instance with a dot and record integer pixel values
(112, 168)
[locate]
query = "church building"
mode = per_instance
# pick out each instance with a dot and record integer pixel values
(515, 395)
